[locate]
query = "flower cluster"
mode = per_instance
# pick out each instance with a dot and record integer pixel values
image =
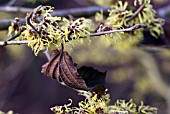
(99, 104)
(93, 104)
(131, 107)
(42, 29)
(62, 109)
(122, 16)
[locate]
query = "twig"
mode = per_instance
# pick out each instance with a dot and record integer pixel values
(15, 9)
(137, 12)
(76, 12)
(46, 53)
(137, 26)
(16, 35)
(154, 48)
(4, 43)
(11, 2)
(28, 17)
(164, 11)
(120, 30)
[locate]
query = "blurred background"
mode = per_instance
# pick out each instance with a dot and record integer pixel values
(140, 75)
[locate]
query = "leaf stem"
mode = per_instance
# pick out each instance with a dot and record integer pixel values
(76, 12)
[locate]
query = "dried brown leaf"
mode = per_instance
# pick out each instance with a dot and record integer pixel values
(51, 68)
(62, 68)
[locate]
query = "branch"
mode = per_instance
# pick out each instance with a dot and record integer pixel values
(4, 43)
(79, 12)
(76, 12)
(16, 35)
(137, 26)
(137, 11)
(15, 9)
(46, 54)
(11, 2)
(28, 17)
(163, 12)
(4, 24)
(154, 48)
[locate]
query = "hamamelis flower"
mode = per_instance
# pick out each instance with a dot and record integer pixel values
(62, 109)
(49, 30)
(121, 16)
(99, 104)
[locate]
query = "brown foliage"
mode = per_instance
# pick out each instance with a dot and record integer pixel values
(62, 68)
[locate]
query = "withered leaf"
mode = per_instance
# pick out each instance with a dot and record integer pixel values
(62, 68)
(51, 68)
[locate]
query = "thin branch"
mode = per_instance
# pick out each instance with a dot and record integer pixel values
(154, 48)
(16, 35)
(79, 12)
(164, 11)
(15, 9)
(4, 43)
(137, 26)
(28, 17)
(46, 53)
(11, 2)
(137, 11)
(76, 12)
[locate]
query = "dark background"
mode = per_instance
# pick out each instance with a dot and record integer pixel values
(25, 90)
